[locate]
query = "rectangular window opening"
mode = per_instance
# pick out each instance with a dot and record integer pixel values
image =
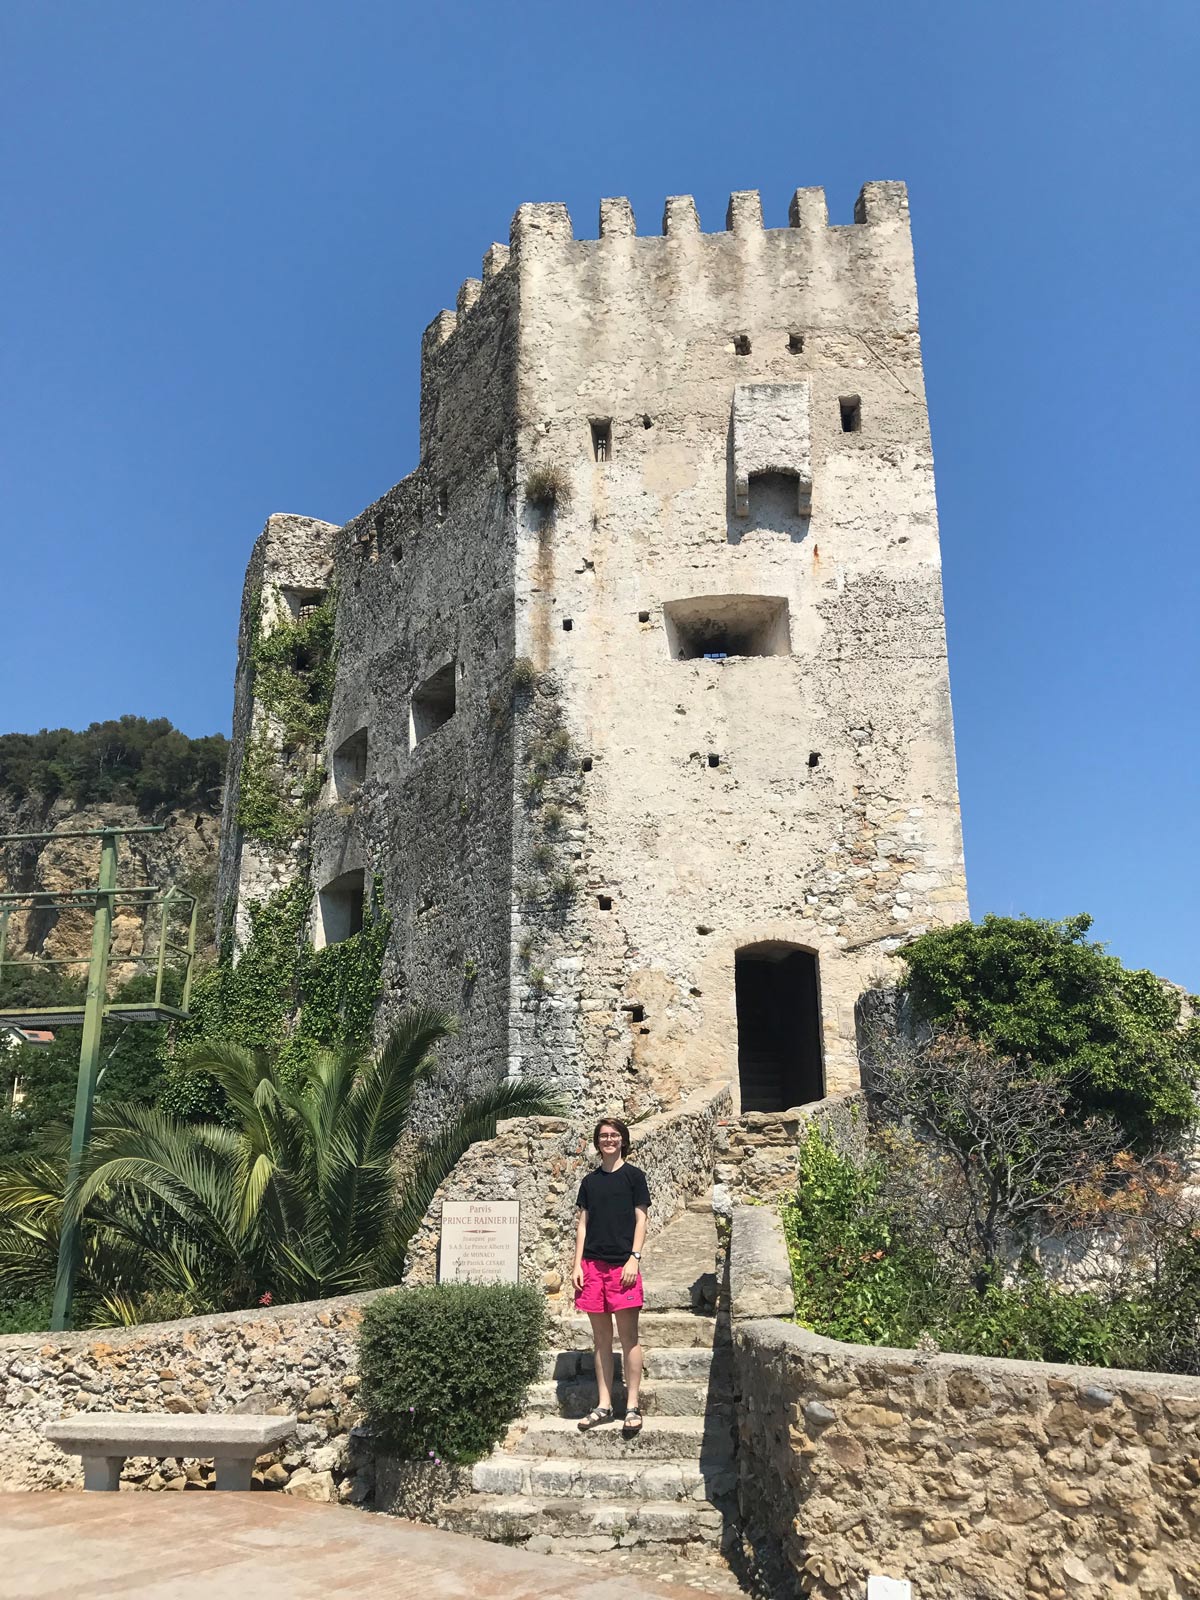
(302, 603)
(851, 409)
(350, 765)
(340, 908)
(741, 344)
(443, 502)
(602, 438)
(433, 704)
(712, 627)
(796, 343)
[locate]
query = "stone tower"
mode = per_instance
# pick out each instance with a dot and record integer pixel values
(642, 715)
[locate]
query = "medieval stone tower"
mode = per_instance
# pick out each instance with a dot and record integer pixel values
(642, 717)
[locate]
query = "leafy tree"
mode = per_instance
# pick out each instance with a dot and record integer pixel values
(1042, 993)
(131, 760)
(298, 1199)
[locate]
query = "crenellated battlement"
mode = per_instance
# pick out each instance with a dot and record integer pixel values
(537, 226)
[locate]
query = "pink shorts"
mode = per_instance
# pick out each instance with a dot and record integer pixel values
(602, 1289)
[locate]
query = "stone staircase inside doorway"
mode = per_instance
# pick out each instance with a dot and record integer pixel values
(666, 1499)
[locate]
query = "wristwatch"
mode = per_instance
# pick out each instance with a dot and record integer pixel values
(636, 1254)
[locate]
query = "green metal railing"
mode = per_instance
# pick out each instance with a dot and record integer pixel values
(174, 907)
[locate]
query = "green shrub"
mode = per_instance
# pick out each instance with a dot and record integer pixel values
(25, 1314)
(860, 1275)
(854, 1274)
(1042, 992)
(444, 1370)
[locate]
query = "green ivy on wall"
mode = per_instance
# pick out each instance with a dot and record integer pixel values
(294, 665)
(282, 996)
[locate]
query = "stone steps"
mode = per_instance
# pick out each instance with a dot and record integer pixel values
(663, 1397)
(619, 1523)
(657, 1330)
(700, 1363)
(666, 1496)
(667, 1438)
(576, 1477)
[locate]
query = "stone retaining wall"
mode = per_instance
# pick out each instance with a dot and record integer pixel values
(540, 1161)
(756, 1154)
(975, 1479)
(299, 1358)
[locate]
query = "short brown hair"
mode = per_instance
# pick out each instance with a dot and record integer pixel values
(621, 1127)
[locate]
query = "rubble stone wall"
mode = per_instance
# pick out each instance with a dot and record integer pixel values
(300, 1358)
(975, 1479)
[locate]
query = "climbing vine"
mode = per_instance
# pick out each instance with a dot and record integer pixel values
(281, 996)
(294, 664)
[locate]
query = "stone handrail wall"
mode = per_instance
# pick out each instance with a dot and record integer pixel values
(974, 1478)
(540, 1161)
(298, 1358)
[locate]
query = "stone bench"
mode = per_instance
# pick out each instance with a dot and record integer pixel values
(105, 1438)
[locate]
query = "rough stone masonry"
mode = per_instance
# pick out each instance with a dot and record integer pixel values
(642, 715)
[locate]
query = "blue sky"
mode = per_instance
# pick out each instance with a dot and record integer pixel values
(229, 223)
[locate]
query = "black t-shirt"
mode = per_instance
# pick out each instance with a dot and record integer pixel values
(609, 1199)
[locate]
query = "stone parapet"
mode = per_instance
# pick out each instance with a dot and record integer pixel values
(965, 1475)
(300, 1359)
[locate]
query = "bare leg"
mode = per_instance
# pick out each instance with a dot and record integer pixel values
(631, 1354)
(602, 1338)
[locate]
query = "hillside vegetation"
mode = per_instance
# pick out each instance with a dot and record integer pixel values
(140, 761)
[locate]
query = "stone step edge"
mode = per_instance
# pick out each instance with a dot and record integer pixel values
(678, 1521)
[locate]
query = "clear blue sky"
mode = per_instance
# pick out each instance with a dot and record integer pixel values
(228, 223)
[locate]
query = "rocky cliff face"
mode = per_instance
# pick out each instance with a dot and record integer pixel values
(184, 854)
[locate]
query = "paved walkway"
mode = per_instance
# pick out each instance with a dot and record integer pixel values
(230, 1546)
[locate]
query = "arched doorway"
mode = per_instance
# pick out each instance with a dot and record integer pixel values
(779, 1027)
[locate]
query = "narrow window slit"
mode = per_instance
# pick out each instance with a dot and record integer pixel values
(851, 410)
(602, 438)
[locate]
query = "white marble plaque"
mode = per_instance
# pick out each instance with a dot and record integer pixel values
(888, 1589)
(479, 1241)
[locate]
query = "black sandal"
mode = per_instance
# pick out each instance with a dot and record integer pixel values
(631, 1428)
(594, 1418)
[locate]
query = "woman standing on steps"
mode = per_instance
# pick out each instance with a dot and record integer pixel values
(613, 1202)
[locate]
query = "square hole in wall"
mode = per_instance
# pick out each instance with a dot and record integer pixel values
(601, 438)
(302, 603)
(433, 704)
(568, 624)
(643, 616)
(340, 908)
(714, 759)
(604, 901)
(741, 344)
(586, 764)
(850, 407)
(796, 343)
(350, 765)
(715, 626)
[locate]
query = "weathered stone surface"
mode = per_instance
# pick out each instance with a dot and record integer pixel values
(760, 1274)
(968, 1476)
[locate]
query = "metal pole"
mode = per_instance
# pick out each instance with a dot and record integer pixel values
(89, 1060)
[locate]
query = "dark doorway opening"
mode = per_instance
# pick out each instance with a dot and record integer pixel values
(779, 1027)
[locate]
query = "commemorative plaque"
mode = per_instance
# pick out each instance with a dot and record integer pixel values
(479, 1241)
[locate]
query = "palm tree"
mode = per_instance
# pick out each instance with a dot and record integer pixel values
(300, 1198)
